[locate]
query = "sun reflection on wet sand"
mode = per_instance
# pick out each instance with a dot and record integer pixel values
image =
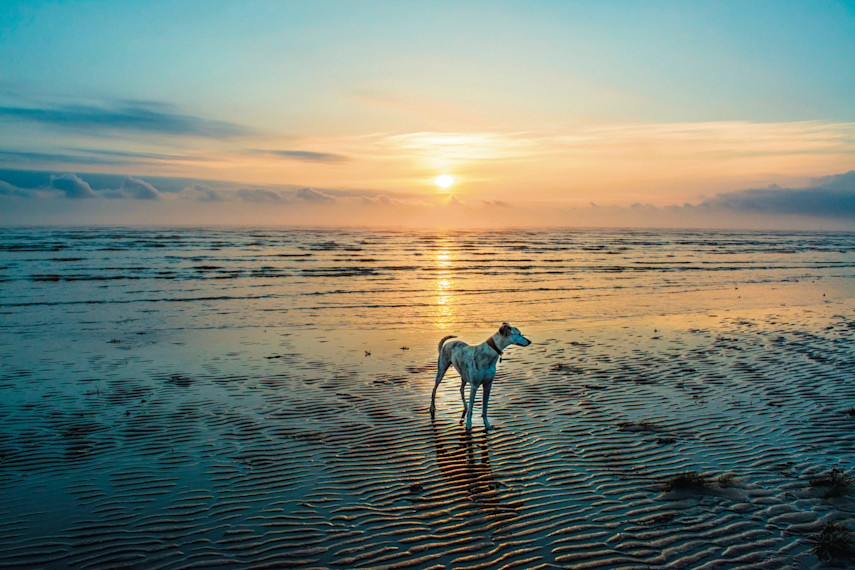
(446, 311)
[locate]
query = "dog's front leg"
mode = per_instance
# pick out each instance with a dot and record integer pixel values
(472, 391)
(485, 394)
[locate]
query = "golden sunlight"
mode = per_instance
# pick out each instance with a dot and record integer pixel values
(445, 302)
(444, 181)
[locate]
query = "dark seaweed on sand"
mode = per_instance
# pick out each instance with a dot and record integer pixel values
(566, 368)
(180, 380)
(687, 481)
(834, 541)
(641, 425)
(836, 482)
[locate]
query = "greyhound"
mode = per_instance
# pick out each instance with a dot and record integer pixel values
(476, 366)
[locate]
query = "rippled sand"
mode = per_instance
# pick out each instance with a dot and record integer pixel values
(315, 448)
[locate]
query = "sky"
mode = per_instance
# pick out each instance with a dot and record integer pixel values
(558, 113)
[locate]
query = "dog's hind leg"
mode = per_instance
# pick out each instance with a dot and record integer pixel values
(442, 364)
(443, 361)
(463, 396)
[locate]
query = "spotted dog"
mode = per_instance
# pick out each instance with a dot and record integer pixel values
(476, 366)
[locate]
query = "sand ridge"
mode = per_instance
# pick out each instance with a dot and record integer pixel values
(283, 455)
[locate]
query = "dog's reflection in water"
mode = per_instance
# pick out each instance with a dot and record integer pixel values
(464, 461)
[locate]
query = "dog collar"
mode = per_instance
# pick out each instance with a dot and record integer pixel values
(492, 344)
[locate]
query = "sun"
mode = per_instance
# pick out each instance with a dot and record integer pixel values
(444, 181)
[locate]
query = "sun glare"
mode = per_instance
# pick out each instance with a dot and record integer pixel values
(444, 181)
(446, 308)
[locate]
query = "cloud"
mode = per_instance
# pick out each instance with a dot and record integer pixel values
(260, 195)
(138, 189)
(203, 193)
(826, 203)
(73, 186)
(311, 195)
(16, 157)
(450, 147)
(841, 182)
(381, 199)
(99, 182)
(76, 188)
(131, 116)
(136, 156)
(7, 189)
(79, 157)
(828, 197)
(308, 156)
(452, 201)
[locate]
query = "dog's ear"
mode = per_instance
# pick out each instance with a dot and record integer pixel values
(505, 329)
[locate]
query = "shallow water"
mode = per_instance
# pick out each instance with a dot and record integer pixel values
(172, 398)
(381, 280)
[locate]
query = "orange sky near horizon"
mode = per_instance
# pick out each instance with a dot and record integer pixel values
(659, 164)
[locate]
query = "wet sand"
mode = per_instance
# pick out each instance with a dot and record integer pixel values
(284, 447)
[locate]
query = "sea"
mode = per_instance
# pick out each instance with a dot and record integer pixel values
(84, 278)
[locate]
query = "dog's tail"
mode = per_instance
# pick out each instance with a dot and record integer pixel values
(445, 338)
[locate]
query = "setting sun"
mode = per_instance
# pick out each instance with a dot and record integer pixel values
(444, 181)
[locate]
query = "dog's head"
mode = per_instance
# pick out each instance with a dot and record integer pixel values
(513, 335)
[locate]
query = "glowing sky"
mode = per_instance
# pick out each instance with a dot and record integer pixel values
(347, 112)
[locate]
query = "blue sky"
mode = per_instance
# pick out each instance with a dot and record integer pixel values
(550, 103)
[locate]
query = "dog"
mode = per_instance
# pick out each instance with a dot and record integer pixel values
(476, 366)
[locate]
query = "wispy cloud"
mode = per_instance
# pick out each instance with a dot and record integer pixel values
(721, 138)
(725, 138)
(454, 147)
(89, 157)
(44, 158)
(144, 156)
(306, 155)
(126, 116)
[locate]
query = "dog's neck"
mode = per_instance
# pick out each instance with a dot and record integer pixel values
(491, 342)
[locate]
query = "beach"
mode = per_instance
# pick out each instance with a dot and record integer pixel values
(259, 398)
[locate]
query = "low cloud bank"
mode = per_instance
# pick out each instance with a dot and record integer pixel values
(31, 197)
(71, 186)
(312, 195)
(827, 197)
(138, 189)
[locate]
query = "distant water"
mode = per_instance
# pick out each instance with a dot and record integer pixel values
(209, 278)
